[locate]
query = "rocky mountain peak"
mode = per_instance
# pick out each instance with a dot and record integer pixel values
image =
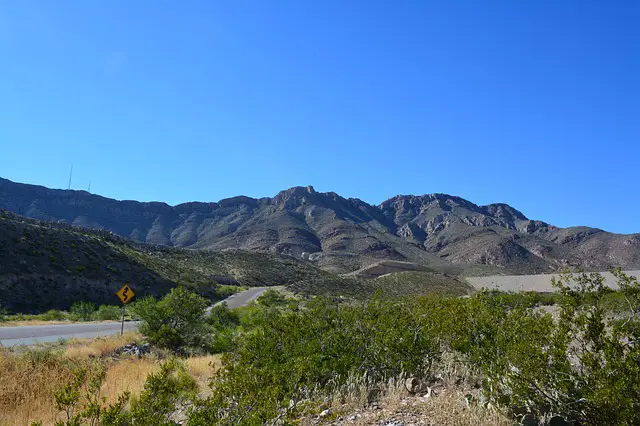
(342, 234)
(293, 196)
(503, 211)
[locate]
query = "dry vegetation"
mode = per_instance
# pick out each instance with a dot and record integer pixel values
(450, 399)
(100, 347)
(29, 378)
(398, 408)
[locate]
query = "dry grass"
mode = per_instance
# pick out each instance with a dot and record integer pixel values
(394, 405)
(28, 379)
(202, 368)
(440, 401)
(100, 347)
(27, 383)
(451, 409)
(127, 375)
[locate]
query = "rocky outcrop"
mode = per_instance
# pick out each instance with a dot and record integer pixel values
(340, 234)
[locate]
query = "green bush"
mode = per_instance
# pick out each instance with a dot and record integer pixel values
(83, 310)
(176, 322)
(583, 367)
(4, 313)
(225, 323)
(223, 291)
(297, 353)
(283, 359)
(271, 298)
(107, 313)
(163, 393)
(56, 315)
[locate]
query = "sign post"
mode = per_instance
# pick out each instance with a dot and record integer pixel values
(125, 294)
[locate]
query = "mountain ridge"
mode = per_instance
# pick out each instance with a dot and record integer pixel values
(341, 234)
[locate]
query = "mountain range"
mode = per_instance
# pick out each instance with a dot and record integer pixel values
(340, 234)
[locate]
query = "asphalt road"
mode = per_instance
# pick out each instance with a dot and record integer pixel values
(30, 335)
(244, 297)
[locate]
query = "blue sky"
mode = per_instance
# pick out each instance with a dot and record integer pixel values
(533, 103)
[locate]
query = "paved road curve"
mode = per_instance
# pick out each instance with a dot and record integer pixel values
(244, 297)
(30, 335)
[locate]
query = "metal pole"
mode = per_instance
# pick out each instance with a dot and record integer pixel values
(122, 326)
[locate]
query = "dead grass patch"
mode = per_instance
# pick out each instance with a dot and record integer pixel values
(127, 375)
(202, 369)
(27, 383)
(396, 406)
(28, 379)
(451, 409)
(99, 347)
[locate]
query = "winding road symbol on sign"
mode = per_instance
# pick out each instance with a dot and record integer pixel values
(125, 294)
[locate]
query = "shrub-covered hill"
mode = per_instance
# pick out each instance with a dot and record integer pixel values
(45, 265)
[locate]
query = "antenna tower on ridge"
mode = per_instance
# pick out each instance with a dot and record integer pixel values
(70, 174)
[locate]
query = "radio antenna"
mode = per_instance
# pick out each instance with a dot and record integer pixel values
(70, 174)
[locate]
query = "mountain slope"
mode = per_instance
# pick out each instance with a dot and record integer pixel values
(46, 265)
(339, 234)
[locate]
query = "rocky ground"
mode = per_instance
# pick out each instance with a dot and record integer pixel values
(443, 403)
(448, 409)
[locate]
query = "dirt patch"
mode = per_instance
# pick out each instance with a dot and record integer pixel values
(539, 283)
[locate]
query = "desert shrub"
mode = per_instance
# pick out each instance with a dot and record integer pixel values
(164, 393)
(56, 315)
(107, 312)
(83, 310)
(582, 367)
(223, 291)
(224, 323)
(221, 316)
(86, 384)
(604, 388)
(510, 344)
(175, 322)
(523, 298)
(298, 353)
(271, 298)
(614, 302)
(282, 360)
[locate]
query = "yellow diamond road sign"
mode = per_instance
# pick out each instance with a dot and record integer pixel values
(125, 294)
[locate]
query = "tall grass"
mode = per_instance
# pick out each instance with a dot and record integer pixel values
(28, 379)
(100, 347)
(27, 383)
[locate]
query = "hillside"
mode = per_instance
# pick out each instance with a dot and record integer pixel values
(46, 265)
(342, 235)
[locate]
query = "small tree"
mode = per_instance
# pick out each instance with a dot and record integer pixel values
(107, 312)
(3, 313)
(84, 310)
(175, 322)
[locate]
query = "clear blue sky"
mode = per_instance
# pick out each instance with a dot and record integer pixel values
(533, 103)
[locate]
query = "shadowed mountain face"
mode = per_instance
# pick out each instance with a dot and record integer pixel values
(340, 234)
